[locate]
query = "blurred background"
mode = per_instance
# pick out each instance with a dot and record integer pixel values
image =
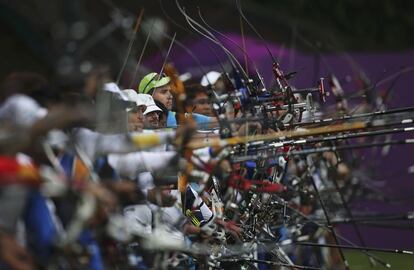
(364, 43)
(58, 37)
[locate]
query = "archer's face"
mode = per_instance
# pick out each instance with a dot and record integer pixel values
(163, 95)
(202, 105)
(136, 119)
(151, 120)
(220, 86)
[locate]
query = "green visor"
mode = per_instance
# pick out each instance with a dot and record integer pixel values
(151, 81)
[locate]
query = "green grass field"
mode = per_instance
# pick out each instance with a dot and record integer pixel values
(359, 261)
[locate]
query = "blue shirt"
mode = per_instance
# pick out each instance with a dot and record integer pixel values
(200, 119)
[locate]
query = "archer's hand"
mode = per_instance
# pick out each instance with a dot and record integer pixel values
(160, 198)
(184, 134)
(249, 129)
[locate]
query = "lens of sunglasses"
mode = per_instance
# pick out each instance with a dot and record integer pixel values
(202, 101)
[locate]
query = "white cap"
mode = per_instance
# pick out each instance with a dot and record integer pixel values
(21, 110)
(210, 78)
(114, 88)
(133, 96)
(150, 103)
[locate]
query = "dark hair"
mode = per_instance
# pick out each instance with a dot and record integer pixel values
(163, 114)
(192, 90)
(162, 107)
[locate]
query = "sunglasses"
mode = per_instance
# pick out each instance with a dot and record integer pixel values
(202, 101)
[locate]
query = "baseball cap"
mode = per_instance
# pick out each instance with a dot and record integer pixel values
(21, 110)
(150, 103)
(133, 96)
(210, 78)
(114, 88)
(151, 81)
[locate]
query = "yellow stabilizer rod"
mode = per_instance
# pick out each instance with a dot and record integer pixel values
(282, 135)
(148, 140)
